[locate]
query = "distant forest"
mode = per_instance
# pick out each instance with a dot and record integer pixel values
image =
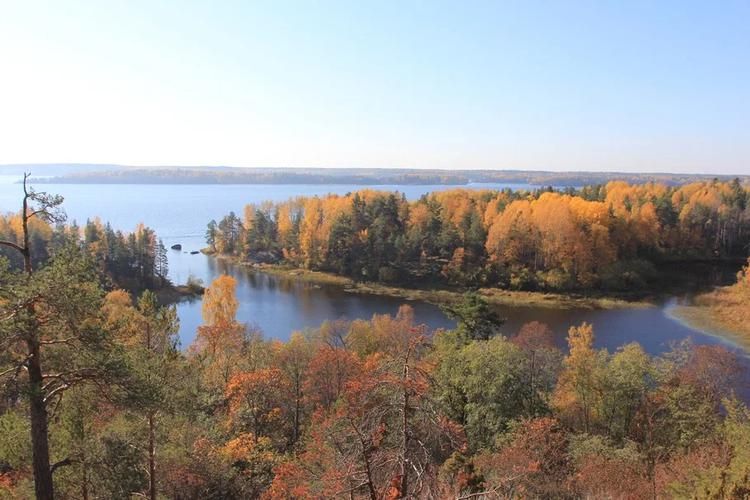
(112, 174)
(133, 261)
(607, 237)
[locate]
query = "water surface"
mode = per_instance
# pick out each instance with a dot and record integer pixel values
(280, 305)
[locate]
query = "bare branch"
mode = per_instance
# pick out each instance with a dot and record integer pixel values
(15, 368)
(62, 463)
(12, 245)
(60, 388)
(60, 341)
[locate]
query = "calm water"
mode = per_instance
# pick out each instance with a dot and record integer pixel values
(278, 306)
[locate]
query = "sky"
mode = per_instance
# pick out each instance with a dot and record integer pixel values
(654, 86)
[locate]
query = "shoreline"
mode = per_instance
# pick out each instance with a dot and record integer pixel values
(436, 296)
(174, 294)
(708, 314)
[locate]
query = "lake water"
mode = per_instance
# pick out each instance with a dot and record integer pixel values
(278, 306)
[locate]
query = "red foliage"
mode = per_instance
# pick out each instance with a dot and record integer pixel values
(290, 482)
(328, 373)
(713, 370)
(534, 464)
(605, 477)
(533, 336)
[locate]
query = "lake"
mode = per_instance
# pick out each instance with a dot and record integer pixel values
(279, 305)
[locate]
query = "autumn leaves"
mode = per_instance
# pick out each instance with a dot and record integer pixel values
(601, 237)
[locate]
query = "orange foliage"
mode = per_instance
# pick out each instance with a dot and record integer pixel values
(535, 464)
(328, 373)
(219, 302)
(256, 400)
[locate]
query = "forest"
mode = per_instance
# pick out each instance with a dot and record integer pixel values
(99, 399)
(612, 237)
(133, 261)
(121, 174)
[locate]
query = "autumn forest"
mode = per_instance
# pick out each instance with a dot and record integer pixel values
(374, 250)
(605, 237)
(101, 401)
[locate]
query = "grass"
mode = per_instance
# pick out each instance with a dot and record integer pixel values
(444, 296)
(724, 311)
(303, 275)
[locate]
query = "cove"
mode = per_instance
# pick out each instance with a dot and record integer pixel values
(279, 305)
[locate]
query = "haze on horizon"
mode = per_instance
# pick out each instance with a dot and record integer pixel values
(635, 87)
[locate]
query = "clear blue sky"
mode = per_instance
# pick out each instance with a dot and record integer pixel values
(576, 85)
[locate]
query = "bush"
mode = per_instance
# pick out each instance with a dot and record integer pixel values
(388, 274)
(628, 275)
(195, 284)
(522, 279)
(556, 279)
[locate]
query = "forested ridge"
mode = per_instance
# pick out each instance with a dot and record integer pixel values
(603, 237)
(99, 401)
(122, 174)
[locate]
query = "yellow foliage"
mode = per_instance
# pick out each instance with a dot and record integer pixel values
(219, 302)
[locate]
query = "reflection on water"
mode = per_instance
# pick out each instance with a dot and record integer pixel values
(179, 214)
(279, 305)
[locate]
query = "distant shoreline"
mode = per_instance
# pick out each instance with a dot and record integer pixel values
(109, 174)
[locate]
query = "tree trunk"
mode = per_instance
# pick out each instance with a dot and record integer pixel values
(404, 471)
(151, 457)
(297, 410)
(43, 486)
(84, 479)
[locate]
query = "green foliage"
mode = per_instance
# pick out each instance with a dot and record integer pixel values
(730, 479)
(15, 445)
(628, 377)
(481, 386)
(120, 472)
(475, 317)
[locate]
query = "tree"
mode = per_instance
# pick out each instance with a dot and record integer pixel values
(727, 475)
(255, 402)
(293, 358)
(542, 366)
(329, 371)
(221, 340)
(579, 387)
(626, 381)
(161, 263)
(476, 320)
(220, 302)
(212, 231)
(149, 332)
(534, 464)
(382, 438)
(49, 315)
(53, 315)
(483, 386)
